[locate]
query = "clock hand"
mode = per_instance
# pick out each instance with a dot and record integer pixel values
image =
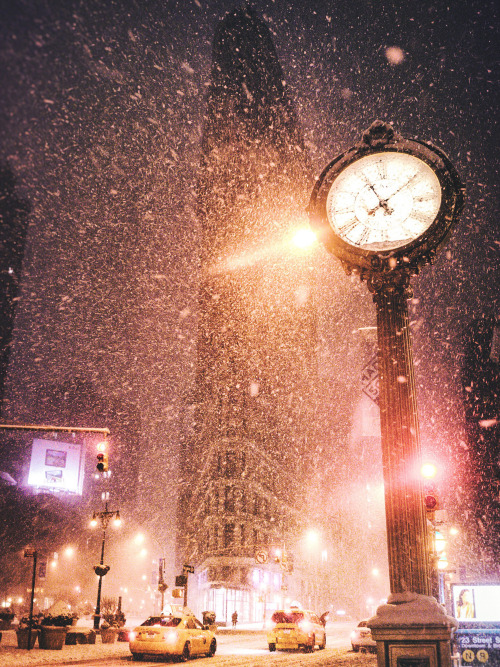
(383, 202)
(405, 185)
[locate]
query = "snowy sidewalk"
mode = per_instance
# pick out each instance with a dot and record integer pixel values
(17, 657)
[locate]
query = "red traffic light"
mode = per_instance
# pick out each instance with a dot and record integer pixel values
(102, 462)
(431, 503)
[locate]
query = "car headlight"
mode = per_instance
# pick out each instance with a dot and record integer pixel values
(131, 636)
(171, 637)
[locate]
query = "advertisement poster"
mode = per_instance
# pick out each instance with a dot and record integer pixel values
(57, 465)
(476, 602)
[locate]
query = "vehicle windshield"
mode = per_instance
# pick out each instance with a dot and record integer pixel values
(287, 616)
(164, 621)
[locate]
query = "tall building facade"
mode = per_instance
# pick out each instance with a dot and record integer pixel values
(247, 463)
(481, 385)
(13, 229)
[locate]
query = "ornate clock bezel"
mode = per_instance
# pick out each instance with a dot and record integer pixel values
(380, 138)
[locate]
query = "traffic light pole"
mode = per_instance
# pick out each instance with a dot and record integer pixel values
(33, 581)
(105, 517)
(97, 615)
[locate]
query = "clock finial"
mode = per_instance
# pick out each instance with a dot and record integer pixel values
(378, 134)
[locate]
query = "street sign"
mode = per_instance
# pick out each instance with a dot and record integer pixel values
(42, 569)
(261, 557)
(181, 580)
(188, 568)
(369, 379)
(29, 553)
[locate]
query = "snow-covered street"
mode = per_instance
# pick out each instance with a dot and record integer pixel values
(238, 648)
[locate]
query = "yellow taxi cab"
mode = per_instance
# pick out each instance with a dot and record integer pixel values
(177, 633)
(296, 629)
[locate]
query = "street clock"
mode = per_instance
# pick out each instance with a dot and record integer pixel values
(386, 203)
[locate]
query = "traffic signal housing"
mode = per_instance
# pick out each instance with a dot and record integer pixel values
(431, 500)
(102, 457)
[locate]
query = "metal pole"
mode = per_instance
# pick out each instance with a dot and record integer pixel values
(97, 615)
(67, 429)
(186, 591)
(407, 534)
(33, 579)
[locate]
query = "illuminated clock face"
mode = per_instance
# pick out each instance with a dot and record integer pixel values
(383, 201)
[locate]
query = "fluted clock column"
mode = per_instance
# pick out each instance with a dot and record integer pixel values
(407, 533)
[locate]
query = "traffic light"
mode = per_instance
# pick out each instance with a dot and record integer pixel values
(431, 501)
(102, 462)
(102, 457)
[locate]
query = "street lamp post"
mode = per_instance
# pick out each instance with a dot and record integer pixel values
(383, 208)
(101, 570)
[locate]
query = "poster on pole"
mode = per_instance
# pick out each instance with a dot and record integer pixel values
(56, 465)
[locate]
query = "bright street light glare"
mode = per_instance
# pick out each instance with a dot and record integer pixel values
(304, 238)
(428, 470)
(312, 537)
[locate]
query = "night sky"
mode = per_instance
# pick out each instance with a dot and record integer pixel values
(101, 121)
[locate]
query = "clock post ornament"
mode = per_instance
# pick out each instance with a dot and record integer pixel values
(384, 208)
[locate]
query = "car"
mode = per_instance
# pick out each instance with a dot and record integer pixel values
(296, 629)
(361, 638)
(177, 634)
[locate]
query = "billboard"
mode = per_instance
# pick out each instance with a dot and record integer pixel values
(57, 465)
(476, 602)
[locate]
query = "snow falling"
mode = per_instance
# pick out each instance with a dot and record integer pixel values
(156, 233)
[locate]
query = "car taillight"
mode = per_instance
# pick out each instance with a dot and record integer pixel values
(305, 626)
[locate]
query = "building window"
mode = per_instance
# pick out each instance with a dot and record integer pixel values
(231, 460)
(216, 537)
(216, 501)
(228, 535)
(229, 499)
(243, 500)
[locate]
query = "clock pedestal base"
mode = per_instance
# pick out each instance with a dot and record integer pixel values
(412, 631)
